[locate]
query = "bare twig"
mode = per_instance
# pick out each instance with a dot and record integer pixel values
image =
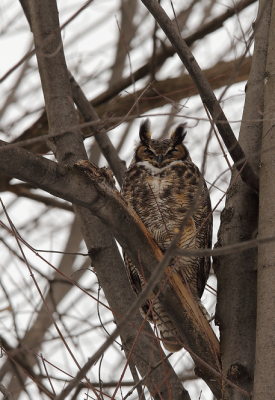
(249, 244)
(160, 58)
(50, 37)
(218, 75)
(25, 372)
(21, 191)
(6, 393)
(43, 299)
(49, 379)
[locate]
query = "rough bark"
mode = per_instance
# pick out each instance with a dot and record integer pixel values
(264, 386)
(236, 273)
(67, 148)
(107, 263)
(57, 144)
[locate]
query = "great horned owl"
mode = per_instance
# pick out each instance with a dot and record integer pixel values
(160, 185)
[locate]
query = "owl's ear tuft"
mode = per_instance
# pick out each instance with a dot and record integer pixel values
(144, 132)
(179, 134)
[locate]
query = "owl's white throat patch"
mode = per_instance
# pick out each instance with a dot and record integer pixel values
(154, 170)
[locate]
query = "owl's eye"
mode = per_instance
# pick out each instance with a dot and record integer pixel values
(173, 151)
(148, 151)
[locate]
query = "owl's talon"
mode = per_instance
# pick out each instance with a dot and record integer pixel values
(100, 175)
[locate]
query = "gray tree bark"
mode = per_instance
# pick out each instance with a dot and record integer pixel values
(236, 273)
(264, 386)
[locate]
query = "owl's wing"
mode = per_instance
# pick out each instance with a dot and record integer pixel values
(133, 275)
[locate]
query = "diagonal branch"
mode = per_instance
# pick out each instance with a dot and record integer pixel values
(6, 393)
(248, 174)
(105, 144)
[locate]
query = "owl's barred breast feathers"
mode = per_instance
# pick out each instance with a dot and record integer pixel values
(160, 185)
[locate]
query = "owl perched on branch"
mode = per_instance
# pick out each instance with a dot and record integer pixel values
(160, 185)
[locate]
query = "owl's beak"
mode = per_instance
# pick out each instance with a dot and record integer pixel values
(160, 159)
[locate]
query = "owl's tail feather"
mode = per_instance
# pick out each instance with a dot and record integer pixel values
(166, 328)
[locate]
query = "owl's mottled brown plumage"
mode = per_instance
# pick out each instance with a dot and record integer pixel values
(160, 185)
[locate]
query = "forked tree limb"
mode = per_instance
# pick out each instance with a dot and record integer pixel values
(217, 76)
(177, 89)
(248, 174)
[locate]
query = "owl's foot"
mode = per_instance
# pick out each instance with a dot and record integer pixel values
(102, 176)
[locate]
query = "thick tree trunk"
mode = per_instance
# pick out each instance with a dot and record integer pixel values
(264, 387)
(236, 273)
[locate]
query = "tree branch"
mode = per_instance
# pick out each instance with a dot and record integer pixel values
(6, 393)
(248, 174)
(236, 273)
(22, 191)
(162, 56)
(40, 127)
(89, 114)
(217, 76)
